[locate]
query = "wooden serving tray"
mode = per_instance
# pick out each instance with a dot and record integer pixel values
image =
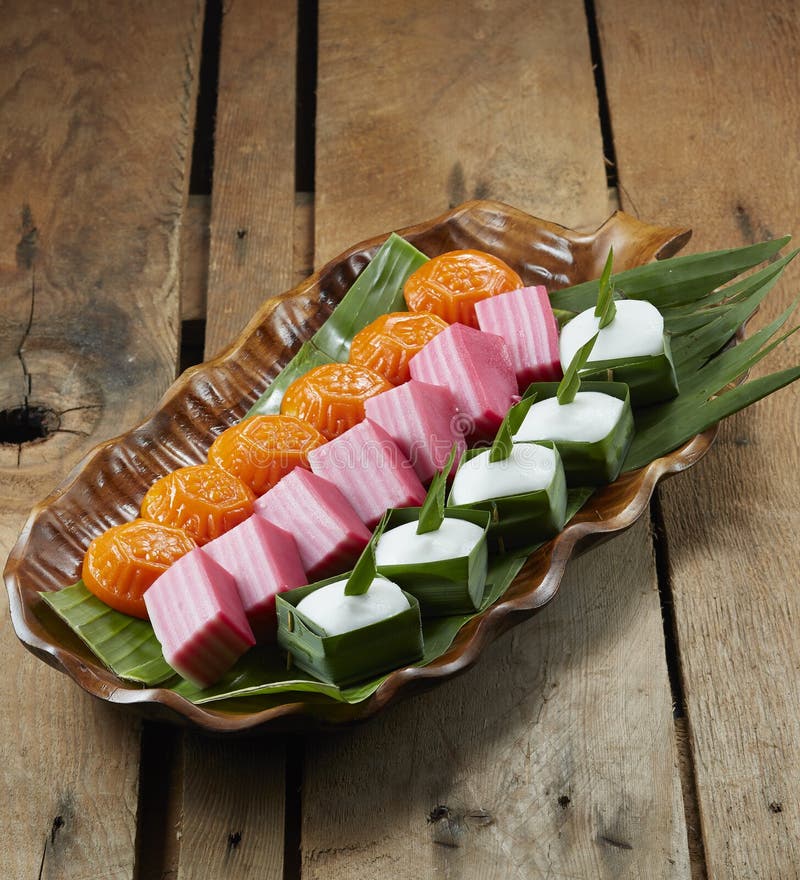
(106, 488)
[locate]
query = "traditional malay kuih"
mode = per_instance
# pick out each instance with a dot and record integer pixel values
(477, 368)
(328, 532)
(370, 470)
(264, 560)
(423, 421)
(198, 618)
(525, 320)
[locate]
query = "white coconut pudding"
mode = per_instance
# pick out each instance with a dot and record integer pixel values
(335, 613)
(636, 331)
(529, 468)
(402, 545)
(590, 417)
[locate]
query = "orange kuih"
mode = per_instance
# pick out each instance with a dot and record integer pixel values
(390, 341)
(203, 500)
(449, 285)
(125, 560)
(331, 397)
(262, 449)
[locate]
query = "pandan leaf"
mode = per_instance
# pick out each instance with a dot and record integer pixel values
(662, 428)
(570, 384)
(377, 290)
(364, 571)
(563, 316)
(127, 645)
(306, 359)
(676, 281)
(503, 441)
(691, 350)
(431, 514)
(606, 309)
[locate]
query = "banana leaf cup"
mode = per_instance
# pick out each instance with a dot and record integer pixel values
(650, 378)
(587, 464)
(524, 519)
(446, 586)
(352, 656)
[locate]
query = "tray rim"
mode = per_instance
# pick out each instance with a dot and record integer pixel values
(471, 639)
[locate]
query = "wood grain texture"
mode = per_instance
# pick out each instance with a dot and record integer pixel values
(96, 112)
(253, 195)
(555, 756)
(428, 105)
(233, 793)
(716, 148)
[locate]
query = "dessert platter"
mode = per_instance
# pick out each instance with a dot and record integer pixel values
(391, 466)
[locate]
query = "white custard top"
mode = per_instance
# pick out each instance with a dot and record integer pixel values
(403, 546)
(527, 469)
(637, 330)
(332, 611)
(590, 417)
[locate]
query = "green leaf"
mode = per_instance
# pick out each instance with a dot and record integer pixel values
(503, 441)
(570, 384)
(306, 359)
(127, 645)
(364, 571)
(605, 309)
(376, 291)
(431, 513)
(662, 428)
(563, 316)
(673, 282)
(690, 350)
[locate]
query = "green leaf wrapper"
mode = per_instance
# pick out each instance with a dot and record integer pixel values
(352, 656)
(448, 586)
(527, 518)
(600, 462)
(650, 378)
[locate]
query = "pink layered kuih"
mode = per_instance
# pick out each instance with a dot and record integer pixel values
(328, 532)
(476, 367)
(525, 320)
(369, 468)
(264, 561)
(197, 616)
(423, 420)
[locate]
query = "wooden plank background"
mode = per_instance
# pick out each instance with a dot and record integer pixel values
(96, 116)
(560, 754)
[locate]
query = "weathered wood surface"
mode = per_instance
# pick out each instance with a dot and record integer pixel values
(706, 128)
(232, 804)
(426, 105)
(556, 756)
(96, 115)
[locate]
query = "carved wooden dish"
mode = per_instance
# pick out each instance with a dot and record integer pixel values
(107, 486)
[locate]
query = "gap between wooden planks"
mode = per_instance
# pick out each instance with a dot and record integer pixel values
(97, 116)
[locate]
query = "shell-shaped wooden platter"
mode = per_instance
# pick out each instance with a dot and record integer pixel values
(107, 486)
